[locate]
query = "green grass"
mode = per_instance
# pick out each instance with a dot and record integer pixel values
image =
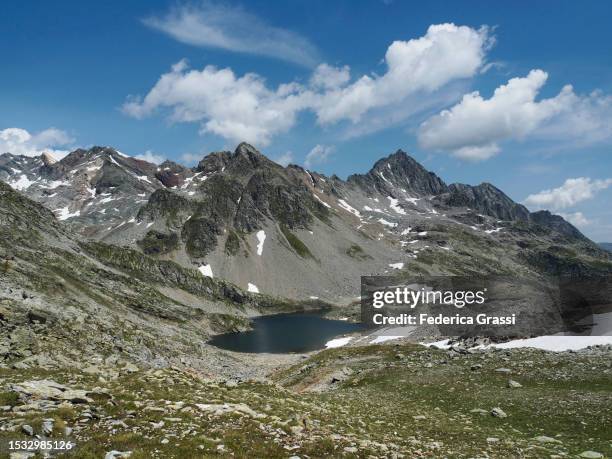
(296, 244)
(564, 396)
(355, 251)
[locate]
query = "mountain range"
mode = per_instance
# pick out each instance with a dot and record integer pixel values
(294, 233)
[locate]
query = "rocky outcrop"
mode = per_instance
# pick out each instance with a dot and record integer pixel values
(486, 199)
(399, 171)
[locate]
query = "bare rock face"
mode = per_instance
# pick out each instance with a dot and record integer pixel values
(486, 199)
(399, 171)
(44, 389)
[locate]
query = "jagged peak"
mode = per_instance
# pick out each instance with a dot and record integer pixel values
(399, 170)
(252, 155)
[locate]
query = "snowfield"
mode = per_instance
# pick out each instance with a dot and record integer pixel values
(338, 342)
(554, 343)
(23, 183)
(393, 203)
(64, 214)
(261, 238)
(206, 270)
(348, 207)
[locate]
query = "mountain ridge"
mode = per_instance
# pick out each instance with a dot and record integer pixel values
(293, 232)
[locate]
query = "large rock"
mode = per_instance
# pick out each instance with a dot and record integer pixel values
(49, 390)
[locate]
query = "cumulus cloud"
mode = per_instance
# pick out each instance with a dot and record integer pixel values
(151, 157)
(329, 77)
(285, 159)
(577, 219)
(236, 108)
(217, 25)
(445, 53)
(21, 142)
(588, 121)
(573, 191)
(474, 127)
(318, 155)
(245, 108)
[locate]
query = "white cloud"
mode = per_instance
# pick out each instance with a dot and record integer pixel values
(285, 159)
(318, 155)
(445, 53)
(244, 108)
(588, 121)
(236, 108)
(328, 77)
(20, 142)
(191, 158)
(573, 191)
(151, 157)
(214, 25)
(577, 219)
(473, 128)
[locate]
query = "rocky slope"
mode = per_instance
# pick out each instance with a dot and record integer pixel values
(296, 233)
(388, 401)
(64, 301)
(106, 346)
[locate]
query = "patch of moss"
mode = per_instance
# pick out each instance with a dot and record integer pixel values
(355, 251)
(156, 243)
(232, 243)
(9, 399)
(200, 236)
(300, 248)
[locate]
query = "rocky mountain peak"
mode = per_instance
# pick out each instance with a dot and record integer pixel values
(401, 171)
(486, 199)
(247, 156)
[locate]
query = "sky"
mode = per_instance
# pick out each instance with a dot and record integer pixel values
(516, 94)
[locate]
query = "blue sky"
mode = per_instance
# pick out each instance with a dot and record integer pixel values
(333, 85)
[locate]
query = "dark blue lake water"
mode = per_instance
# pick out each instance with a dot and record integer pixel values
(285, 333)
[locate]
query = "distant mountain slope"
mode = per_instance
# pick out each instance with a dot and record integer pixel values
(606, 246)
(295, 233)
(62, 299)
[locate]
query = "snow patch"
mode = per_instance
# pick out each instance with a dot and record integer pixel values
(52, 185)
(395, 206)
(382, 339)
(387, 223)
(338, 342)
(383, 177)
(23, 183)
(206, 270)
(556, 343)
(252, 288)
(396, 265)
(348, 207)
(553, 343)
(64, 214)
(261, 238)
(321, 201)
